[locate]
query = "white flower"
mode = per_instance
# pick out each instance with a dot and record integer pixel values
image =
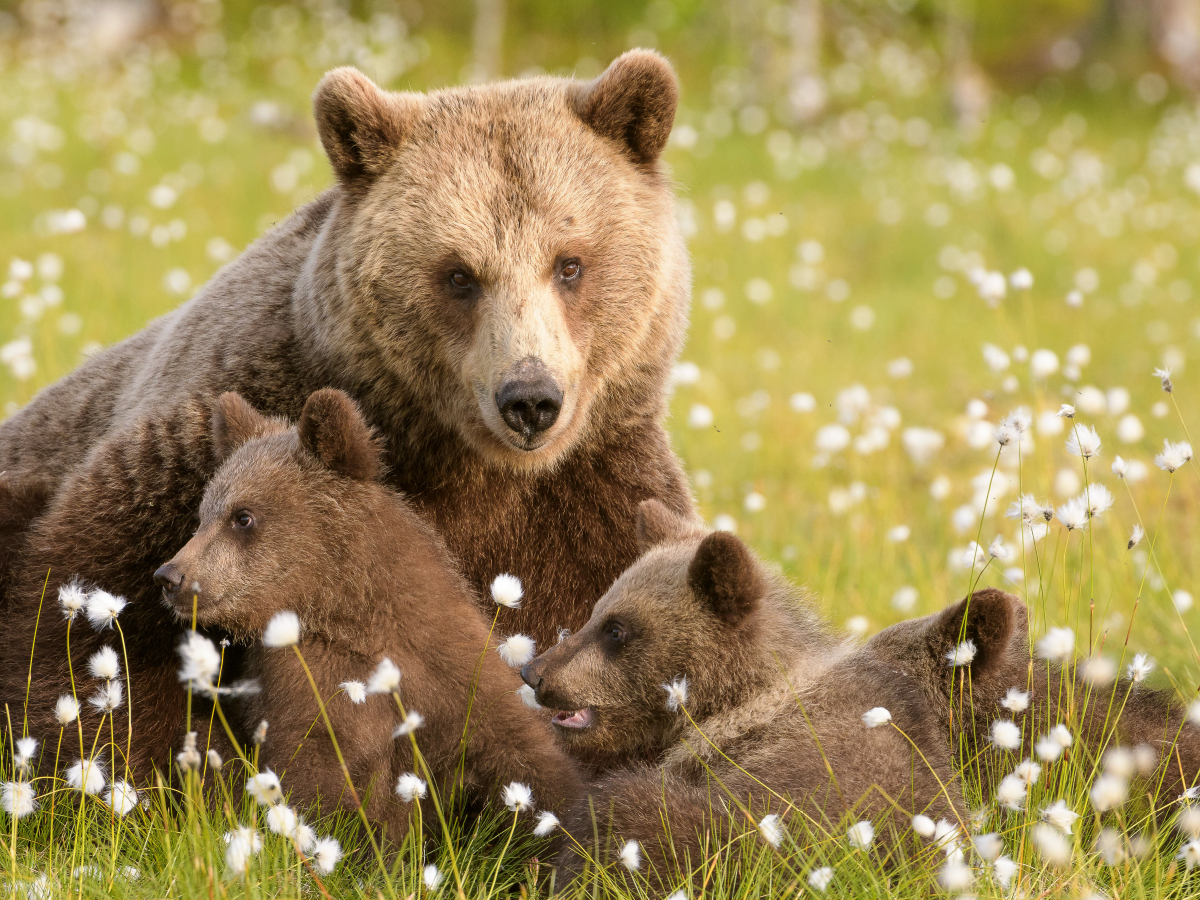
(963, 654)
(410, 787)
(528, 696)
(214, 759)
(988, 846)
(1119, 761)
(1135, 537)
(997, 549)
(1052, 845)
(955, 876)
(1061, 734)
(1047, 748)
(1099, 499)
(432, 877)
(18, 798)
(947, 836)
(1182, 600)
(283, 630)
(517, 650)
(412, 721)
(1193, 712)
(517, 797)
(242, 843)
(201, 662)
(1083, 441)
(631, 856)
(1190, 853)
(1173, 456)
(771, 829)
(861, 834)
(923, 825)
(1028, 771)
(546, 823)
(111, 696)
(1060, 815)
(72, 598)
(282, 820)
(677, 693)
(1030, 511)
(189, 757)
(1164, 376)
(1057, 645)
(992, 287)
(1141, 666)
(506, 591)
(1006, 735)
(1109, 791)
(1074, 513)
(104, 664)
(1004, 869)
(873, 718)
(86, 775)
(1021, 280)
(264, 788)
(260, 733)
(356, 691)
(326, 854)
(1016, 700)
(820, 879)
(103, 608)
(305, 837)
(1119, 466)
(1011, 792)
(121, 797)
(23, 754)
(385, 679)
(1066, 411)
(1098, 670)
(1188, 821)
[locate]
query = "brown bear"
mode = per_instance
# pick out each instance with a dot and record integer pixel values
(497, 278)
(776, 712)
(297, 519)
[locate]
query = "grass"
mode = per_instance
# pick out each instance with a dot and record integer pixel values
(855, 309)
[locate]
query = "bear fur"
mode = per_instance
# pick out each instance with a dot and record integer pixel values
(507, 245)
(297, 519)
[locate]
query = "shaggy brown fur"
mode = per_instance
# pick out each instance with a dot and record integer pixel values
(295, 520)
(515, 235)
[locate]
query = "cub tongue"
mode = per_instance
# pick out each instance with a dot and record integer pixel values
(580, 718)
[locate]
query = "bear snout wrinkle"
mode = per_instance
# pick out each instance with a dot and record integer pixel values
(529, 400)
(169, 577)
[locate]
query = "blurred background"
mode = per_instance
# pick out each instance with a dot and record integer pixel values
(907, 218)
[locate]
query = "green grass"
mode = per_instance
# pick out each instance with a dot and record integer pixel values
(230, 137)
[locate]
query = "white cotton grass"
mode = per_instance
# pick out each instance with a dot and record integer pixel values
(110, 697)
(1189, 853)
(1051, 843)
(412, 721)
(356, 691)
(1057, 645)
(72, 598)
(877, 716)
(517, 797)
(1141, 666)
(1016, 700)
(1011, 792)
(23, 753)
(771, 828)
(431, 877)
(631, 856)
(528, 696)
(201, 662)
(1098, 670)
(677, 693)
(1135, 536)
(923, 825)
(1083, 441)
(86, 775)
(282, 819)
(410, 787)
(1028, 771)
(963, 654)
(1174, 456)
(103, 608)
(1098, 499)
(121, 798)
(1108, 792)
(282, 631)
(546, 823)
(1006, 734)
(1164, 377)
(189, 757)
(105, 664)
(385, 679)
(1060, 816)
(264, 788)
(1030, 510)
(1074, 513)
(956, 876)
(861, 835)
(241, 845)
(506, 591)
(819, 879)
(988, 846)
(326, 854)
(1004, 869)
(517, 650)
(18, 798)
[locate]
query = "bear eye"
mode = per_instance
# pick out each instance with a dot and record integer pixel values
(460, 280)
(615, 633)
(571, 270)
(242, 520)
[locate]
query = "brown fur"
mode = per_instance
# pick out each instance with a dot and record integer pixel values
(504, 181)
(368, 579)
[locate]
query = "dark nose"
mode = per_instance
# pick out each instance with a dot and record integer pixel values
(531, 676)
(168, 577)
(530, 399)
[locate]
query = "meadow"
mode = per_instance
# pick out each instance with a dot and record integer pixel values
(874, 292)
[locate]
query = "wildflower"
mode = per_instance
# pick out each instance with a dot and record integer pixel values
(18, 799)
(1174, 456)
(528, 696)
(1135, 537)
(1109, 791)
(23, 754)
(517, 797)
(1099, 499)
(1004, 869)
(412, 721)
(111, 696)
(546, 823)
(1190, 853)
(86, 775)
(963, 654)
(242, 844)
(410, 787)
(356, 691)
(1141, 666)
(820, 879)
(214, 759)
(260, 733)
(72, 598)
(1074, 513)
(1066, 411)
(1028, 771)
(1119, 466)
(517, 650)
(955, 876)
(771, 829)
(201, 662)
(385, 679)
(1057, 645)
(631, 856)
(1029, 510)
(103, 609)
(283, 630)
(304, 837)
(988, 846)
(677, 693)
(1047, 749)
(326, 855)
(1164, 375)
(1119, 761)
(873, 718)
(104, 664)
(506, 591)
(1021, 280)
(188, 758)
(1006, 735)
(1188, 821)
(282, 820)
(946, 836)
(992, 287)
(1083, 441)
(1011, 792)
(264, 788)
(1016, 700)
(1182, 600)
(121, 797)
(1111, 846)
(860, 835)
(1098, 670)
(1061, 735)
(1013, 427)
(432, 877)
(923, 825)
(1052, 845)
(1060, 816)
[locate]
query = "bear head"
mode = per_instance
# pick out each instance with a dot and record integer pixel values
(280, 519)
(503, 258)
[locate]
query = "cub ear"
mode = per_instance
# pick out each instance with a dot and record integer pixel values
(993, 621)
(334, 431)
(360, 125)
(656, 524)
(726, 576)
(234, 422)
(633, 102)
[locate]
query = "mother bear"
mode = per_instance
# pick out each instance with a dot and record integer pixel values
(498, 279)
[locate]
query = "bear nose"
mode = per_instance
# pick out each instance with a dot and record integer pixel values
(169, 577)
(529, 401)
(531, 677)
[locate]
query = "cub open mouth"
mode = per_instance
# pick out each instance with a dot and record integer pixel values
(577, 719)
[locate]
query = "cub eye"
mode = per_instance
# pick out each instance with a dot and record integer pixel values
(615, 633)
(460, 280)
(242, 520)
(571, 270)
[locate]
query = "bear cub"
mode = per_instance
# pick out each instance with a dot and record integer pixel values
(296, 519)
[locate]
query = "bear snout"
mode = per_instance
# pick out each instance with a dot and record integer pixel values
(169, 577)
(531, 676)
(530, 399)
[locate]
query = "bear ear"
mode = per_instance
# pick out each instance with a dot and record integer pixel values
(334, 431)
(234, 422)
(993, 621)
(656, 524)
(726, 576)
(360, 125)
(633, 101)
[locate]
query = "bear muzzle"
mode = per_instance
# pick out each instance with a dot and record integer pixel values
(529, 400)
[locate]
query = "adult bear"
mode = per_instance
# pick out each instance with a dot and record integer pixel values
(497, 278)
